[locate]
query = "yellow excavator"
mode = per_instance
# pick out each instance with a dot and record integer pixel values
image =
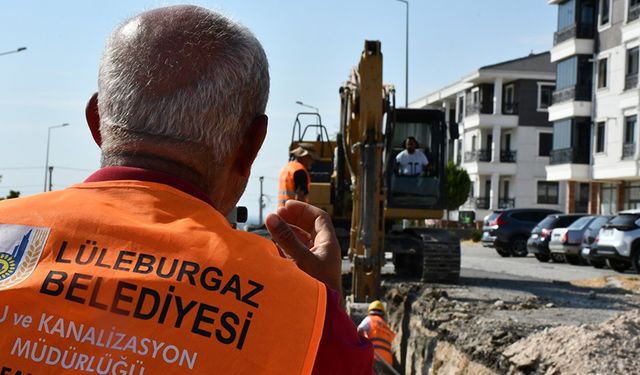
(357, 181)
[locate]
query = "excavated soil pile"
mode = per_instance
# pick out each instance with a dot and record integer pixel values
(540, 329)
(612, 347)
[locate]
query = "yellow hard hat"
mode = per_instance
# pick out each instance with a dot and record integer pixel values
(376, 305)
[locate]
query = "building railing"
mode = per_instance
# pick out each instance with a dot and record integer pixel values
(510, 108)
(508, 156)
(482, 203)
(566, 34)
(630, 81)
(577, 93)
(634, 13)
(569, 156)
(581, 31)
(628, 150)
(504, 203)
(477, 155)
(472, 109)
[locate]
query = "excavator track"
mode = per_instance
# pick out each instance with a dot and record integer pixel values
(440, 257)
(433, 255)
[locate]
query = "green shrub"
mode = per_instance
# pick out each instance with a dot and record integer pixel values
(476, 235)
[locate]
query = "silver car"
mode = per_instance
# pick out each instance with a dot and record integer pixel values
(568, 240)
(619, 241)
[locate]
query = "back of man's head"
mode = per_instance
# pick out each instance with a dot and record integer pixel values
(184, 74)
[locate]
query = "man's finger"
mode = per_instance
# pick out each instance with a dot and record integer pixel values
(287, 240)
(300, 214)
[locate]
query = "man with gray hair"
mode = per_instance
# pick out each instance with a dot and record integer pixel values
(136, 270)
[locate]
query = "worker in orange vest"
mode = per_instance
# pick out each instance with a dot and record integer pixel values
(136, 270)
(295, 181)
(376, 329)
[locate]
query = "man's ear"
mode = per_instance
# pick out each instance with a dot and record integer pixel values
(251, 143)
(93, 118)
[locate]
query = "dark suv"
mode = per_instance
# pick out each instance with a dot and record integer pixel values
(507, 231)
(538, 243)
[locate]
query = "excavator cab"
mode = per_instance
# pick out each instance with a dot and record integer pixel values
(424, 188)
(308, 128)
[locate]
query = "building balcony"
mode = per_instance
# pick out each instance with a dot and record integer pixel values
(569, 109)
(631, 29)
(482, 203)
(510, 108)
(628, 150)
(568, 172)
(566, 34)
(477, 155)
(572, 47)
(572, 93)
(508, 156)
(630, 81)
(569, 156)
(504, 203)
(578, 31)
(633, 13)
(472, 109)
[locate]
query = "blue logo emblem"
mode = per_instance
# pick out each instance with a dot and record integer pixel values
(20, 250)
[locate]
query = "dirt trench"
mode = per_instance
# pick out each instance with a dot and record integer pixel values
(512, 326)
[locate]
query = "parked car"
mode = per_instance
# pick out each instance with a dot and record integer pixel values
(538, 242)
(507, 230)
(619, 241)
(567, 241)
(590, 234)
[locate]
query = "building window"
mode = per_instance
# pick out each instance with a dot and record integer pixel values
(600, 137)
(460, 108)
(545, 142)
(608, 199)
(548, 192)
(567, 73)
(629, 129)
(633, 13)
(631, 196)
(605, 9)
(545, 94)
(562, 134)
(581, 197)
(509, 99)
(631, 78)
(602, 73)
(566, 15)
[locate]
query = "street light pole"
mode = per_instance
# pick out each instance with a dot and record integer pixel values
(13, 51)
(261, 201)
(406, 63)
(308, 106)
(50, 177)
(46, 165)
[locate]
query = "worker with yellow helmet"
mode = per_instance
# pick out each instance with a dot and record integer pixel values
(376, 329)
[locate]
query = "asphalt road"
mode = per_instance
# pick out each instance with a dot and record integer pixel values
(477, 258)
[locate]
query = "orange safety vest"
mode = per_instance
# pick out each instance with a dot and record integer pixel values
(287, 186)
(131, 277)
(381, 337)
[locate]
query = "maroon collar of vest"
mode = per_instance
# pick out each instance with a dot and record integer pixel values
(141, 174)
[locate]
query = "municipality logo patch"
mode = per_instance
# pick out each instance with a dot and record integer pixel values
(20, 250)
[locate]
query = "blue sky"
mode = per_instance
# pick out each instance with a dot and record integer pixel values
(311, 46)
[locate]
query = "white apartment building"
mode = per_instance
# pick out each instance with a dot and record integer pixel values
(505, 136)
(596, 150)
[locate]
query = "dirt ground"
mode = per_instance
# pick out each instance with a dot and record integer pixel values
(499, 324)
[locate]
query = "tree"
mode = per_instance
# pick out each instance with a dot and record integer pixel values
(458, 185)
(12, 194)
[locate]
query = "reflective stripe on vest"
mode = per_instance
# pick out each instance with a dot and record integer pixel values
(287, 185)
(381, 336)
(139, 277)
